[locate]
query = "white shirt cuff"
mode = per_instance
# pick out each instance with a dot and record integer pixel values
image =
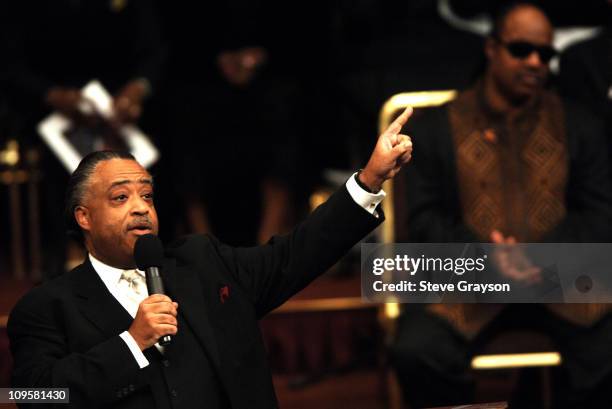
(369, 201)
(138, 355)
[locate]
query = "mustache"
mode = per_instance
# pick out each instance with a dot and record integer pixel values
(140, 223)
(540, 72)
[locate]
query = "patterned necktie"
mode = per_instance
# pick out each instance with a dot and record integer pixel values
(133, 286)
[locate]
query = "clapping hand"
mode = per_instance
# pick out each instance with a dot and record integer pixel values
(512, 261)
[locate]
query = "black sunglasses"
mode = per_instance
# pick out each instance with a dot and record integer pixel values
(523, 49)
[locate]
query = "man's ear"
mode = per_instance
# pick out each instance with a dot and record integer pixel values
(489, 48)
(82, 216)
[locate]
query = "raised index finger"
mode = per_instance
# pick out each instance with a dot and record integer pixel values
(399, 122)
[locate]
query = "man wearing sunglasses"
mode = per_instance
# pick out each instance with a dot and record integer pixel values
(507, 161)
(518, 58)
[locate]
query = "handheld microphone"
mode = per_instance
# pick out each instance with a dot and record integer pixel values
(149, 256)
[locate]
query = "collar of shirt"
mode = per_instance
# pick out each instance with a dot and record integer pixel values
(108, 274)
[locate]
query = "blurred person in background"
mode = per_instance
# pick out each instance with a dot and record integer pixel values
(228, 58)
(51, 50)
(507, 161)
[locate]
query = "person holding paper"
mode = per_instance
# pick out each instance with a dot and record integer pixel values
(51, 50)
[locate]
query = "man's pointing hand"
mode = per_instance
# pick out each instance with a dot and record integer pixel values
(392, 151)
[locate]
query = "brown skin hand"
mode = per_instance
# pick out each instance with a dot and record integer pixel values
(65, 100)
(510, 82)
(391, 152)
(511, 260)
(128, 103)
(155, 318)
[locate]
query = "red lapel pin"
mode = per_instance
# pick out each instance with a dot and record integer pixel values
(223, 293)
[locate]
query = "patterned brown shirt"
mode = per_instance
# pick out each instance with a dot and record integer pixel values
(512, 171)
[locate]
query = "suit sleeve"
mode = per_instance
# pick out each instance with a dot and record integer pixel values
(274, 272)
(42, 358)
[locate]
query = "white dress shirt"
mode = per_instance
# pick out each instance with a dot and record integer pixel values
(111, 275)
(369, 201)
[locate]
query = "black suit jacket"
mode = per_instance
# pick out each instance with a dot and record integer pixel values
(66, 332)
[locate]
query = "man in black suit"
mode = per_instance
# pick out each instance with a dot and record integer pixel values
(94, 330)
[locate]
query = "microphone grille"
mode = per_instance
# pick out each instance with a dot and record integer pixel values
(148, 252)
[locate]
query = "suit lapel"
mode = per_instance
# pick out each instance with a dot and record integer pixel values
(184, 286)
(97, 303)
(106, 313)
